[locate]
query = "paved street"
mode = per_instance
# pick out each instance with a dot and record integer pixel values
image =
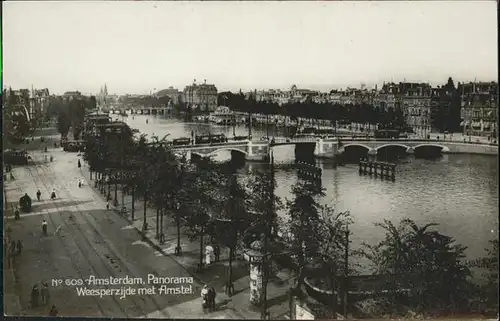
(85, 239)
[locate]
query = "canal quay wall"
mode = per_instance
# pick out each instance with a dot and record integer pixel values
(472, 148)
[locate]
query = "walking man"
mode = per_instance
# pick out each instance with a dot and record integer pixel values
(17, 215)
(107, 205)
(38, 194)
(79, 164)
(53, 195)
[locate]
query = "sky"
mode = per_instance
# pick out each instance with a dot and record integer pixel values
(136, 47)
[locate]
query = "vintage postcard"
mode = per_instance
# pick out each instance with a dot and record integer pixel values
(250, 160)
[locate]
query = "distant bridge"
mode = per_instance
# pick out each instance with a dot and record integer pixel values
(141, 110)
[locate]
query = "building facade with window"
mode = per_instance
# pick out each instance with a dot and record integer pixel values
(479, 110)
(202, 96)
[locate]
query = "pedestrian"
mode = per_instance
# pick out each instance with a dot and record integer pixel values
(34, 296)
(217, 252)
(79, 164)
(19, 246)
(44, 227)
(107, 205)
(12, 248)
(211, 298)
(51, 158)
(38, 194)
(17, 215)
(79, 183)
(204, 294)
(53, 311)
(44, 293)
(53, 195)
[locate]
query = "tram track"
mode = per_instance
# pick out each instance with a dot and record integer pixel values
(119, 265)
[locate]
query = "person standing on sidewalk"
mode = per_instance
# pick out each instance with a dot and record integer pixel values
(34, 296)
(204, 297)
(44, 227)
(19, 246)
(211, 298)
(44, 293)
(107, 205)
(53, 195)
(217, 252)
(38, 194)
(12, 248)
(79, 164)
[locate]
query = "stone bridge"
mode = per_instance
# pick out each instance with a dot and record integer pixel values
(258, 150)
(410, 145)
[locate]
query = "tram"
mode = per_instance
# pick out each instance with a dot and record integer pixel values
(387, 133)
(181, 141)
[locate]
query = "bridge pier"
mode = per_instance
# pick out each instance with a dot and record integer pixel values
(257, 153)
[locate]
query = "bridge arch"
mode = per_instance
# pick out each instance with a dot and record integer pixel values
(443, 148)
(356, 144)
(226, 148)
(392, 144)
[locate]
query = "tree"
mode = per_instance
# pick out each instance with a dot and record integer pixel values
(426, 264)
(203, 188)
(331, 236)
(489, 264)
(17, 121)
(303, 212)
(63, 123)
(233, 217)
(76, 110)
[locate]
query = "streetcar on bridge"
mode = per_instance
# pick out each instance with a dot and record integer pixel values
(211, 138)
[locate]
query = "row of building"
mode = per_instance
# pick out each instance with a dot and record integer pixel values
(474, 103)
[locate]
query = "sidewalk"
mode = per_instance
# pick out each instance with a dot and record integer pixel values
(214, 275)
(11, 300)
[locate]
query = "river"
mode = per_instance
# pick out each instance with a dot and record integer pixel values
(459, 192)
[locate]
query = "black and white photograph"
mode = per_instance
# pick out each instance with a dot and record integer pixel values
(272, 160)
